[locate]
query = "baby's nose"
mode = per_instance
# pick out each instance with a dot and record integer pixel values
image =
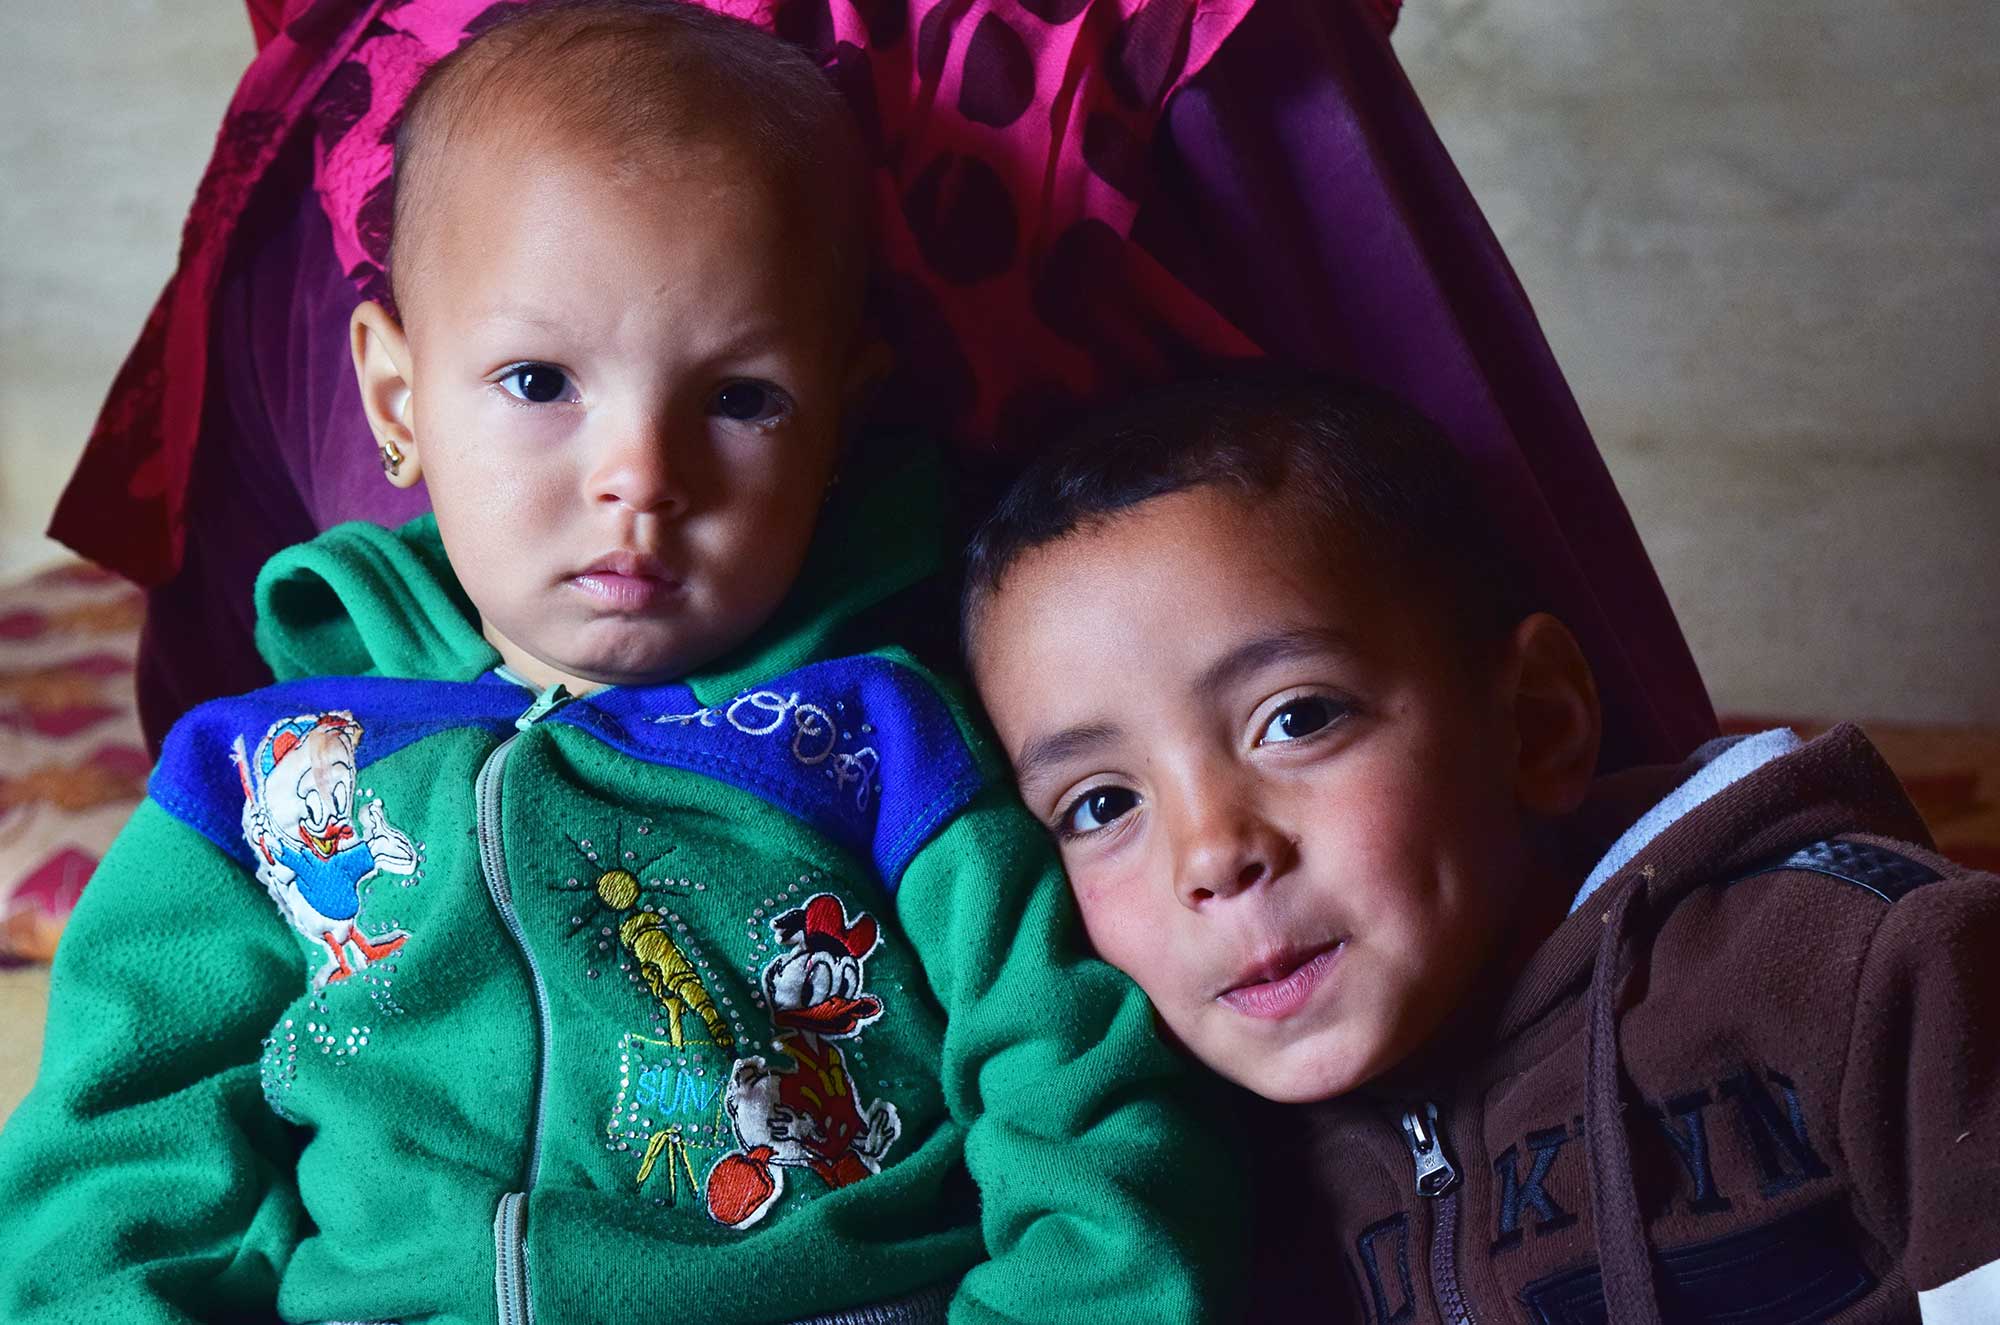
(638, 470)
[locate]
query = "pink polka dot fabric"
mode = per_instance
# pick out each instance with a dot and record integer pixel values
(1007, 139)
(1008, 136)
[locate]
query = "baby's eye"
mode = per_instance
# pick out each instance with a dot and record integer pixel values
(536, 383)
(751, 402)
(1096, 809)
(1301, 717)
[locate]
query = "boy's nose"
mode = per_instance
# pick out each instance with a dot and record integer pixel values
(1226, 847)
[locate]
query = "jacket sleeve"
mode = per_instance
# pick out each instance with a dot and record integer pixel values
(146, 1180)
(1100, 1200)
(1920, 1096)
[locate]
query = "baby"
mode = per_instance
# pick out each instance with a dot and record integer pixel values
(1698, 1044)
(601, 920)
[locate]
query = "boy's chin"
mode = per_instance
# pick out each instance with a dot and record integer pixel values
(1308, 1085)
(1391, 1044)
(1314, 1068)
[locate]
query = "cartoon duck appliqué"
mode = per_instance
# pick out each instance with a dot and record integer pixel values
(807, 1115)
(314, 847)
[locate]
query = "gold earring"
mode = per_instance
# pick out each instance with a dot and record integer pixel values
(392, 459)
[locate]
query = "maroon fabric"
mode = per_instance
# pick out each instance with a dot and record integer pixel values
(127, 504)
(1301, 190)
(1294, 185)
(285, 452)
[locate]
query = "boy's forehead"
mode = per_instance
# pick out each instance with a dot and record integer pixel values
(1167, 599)
(1153, 556)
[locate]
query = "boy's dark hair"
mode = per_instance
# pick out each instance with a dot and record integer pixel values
(1357, 465)
(642, 78)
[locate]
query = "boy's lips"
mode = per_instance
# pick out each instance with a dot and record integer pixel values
(627, 581)
(1277, 986)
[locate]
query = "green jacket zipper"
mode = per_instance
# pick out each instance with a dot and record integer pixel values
(1437, 1182)
(510, 1257)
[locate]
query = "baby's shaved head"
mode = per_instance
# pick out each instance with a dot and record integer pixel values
(638, 85)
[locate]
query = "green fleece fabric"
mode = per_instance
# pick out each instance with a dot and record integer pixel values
(214, 1136)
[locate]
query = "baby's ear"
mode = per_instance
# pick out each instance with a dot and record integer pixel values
(867, 368)
(382, 366)
(1557, 722)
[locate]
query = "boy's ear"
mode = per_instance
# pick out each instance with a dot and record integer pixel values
(382, 366)
(1557, 723)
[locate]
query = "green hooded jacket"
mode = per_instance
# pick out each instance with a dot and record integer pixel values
(410, 994)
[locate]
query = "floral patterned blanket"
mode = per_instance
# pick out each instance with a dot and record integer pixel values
(72, 765)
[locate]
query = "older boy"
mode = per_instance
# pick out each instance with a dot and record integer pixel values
(639, 935)
(1324, 789)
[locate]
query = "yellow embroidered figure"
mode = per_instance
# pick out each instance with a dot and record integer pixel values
(672, 979)
(674, 1146)
(668, 973)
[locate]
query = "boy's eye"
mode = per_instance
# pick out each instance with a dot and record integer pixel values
(536, 383)
(1096, 809)
(1301, 717)
(750, 402)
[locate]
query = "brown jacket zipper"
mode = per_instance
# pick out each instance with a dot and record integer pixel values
(1437, 1183)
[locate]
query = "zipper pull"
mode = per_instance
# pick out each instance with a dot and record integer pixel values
(545, 703)
(1435, 1173)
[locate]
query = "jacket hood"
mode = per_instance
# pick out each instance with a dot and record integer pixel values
(1664, 830)
(1834, 785)
(361, 600)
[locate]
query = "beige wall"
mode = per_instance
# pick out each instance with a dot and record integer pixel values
(108, 109)
(1764, 239)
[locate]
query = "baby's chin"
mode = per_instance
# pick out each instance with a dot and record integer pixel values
(622, 656)
(631, 672)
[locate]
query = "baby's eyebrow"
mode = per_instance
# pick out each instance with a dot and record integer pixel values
(533, 319)
(1040, 756)
(1261, 651)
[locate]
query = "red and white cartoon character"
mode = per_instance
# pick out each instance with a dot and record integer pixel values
(806, 1115)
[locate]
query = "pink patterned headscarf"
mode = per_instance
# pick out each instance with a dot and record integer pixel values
(1007, 140)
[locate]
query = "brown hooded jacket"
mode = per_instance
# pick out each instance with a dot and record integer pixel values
(1753, 1078)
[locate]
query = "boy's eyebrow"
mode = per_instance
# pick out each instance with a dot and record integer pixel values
(1260, 651)
(1043, 753)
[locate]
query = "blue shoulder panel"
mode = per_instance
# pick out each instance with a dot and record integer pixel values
(862, 749)
(214, 752)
